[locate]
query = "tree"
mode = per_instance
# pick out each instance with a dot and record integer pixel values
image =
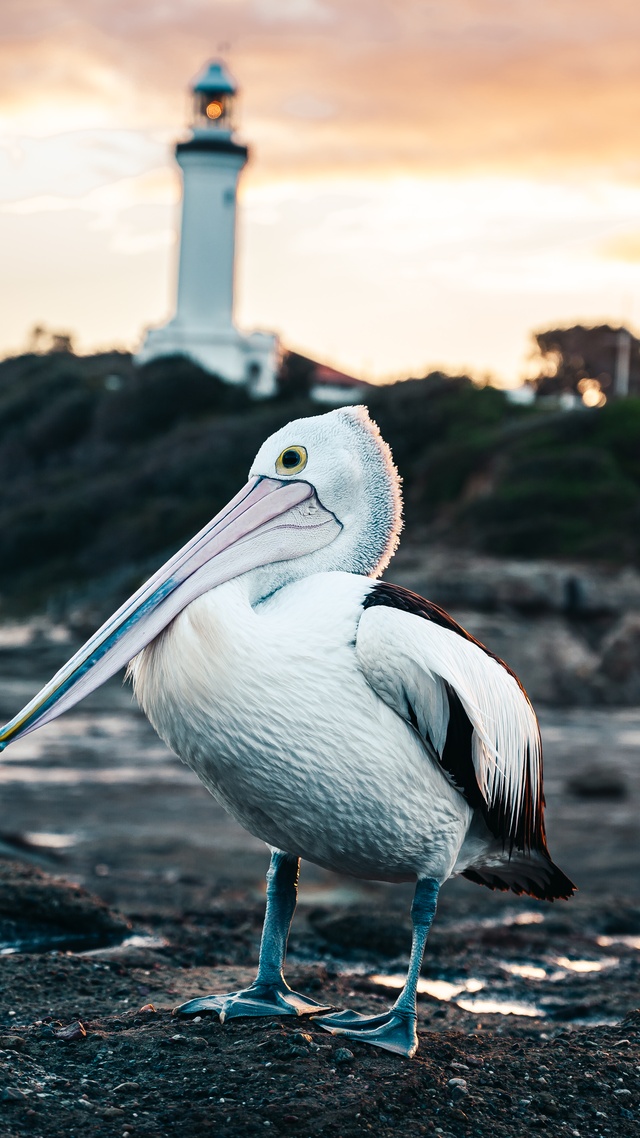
(42, 340)
(586, 362)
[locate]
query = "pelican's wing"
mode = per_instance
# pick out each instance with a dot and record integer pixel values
(466, 705)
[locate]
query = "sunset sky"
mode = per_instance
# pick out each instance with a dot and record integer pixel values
(429, 182)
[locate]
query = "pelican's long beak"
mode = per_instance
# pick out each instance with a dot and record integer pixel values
(267, 521)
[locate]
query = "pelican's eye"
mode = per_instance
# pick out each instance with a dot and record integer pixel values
(291, 461)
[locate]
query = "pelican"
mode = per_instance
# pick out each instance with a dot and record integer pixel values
(338, 718)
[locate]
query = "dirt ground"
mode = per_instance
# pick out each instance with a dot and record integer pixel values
(528, 1016)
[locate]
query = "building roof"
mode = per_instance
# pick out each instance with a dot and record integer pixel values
(324, 374)
(214, 79)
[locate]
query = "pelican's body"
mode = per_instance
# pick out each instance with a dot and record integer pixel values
(326, 770)
(338, 718)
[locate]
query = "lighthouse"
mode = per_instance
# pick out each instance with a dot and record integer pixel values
(211, 161)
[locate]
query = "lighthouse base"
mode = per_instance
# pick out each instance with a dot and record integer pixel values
(249, 360)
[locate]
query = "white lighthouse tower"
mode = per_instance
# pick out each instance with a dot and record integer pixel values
(211, 161)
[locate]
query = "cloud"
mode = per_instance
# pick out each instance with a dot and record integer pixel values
(470, 84)
(430, 179)
(624, 247)
(73, 164)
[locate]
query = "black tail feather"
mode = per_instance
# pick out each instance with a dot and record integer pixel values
(537, 877)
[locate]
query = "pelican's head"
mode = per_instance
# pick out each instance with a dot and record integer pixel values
(323, 495)
(345, 461)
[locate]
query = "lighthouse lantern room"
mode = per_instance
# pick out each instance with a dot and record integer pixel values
(211, 160)
(214, 94)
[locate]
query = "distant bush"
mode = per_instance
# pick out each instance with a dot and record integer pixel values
(161, 395)
(105, 469)
(567, 486)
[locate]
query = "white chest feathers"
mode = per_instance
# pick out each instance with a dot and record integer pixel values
(270, 709)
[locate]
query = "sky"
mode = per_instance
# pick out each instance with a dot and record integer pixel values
(429, 183)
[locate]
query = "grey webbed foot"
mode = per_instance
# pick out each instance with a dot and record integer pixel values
(257, 1000)
(393, 1031)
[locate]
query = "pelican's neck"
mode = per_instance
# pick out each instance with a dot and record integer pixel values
(340, 556)
(213, 623)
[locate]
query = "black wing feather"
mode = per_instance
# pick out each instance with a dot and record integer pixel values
(538, 875)
(457, 757)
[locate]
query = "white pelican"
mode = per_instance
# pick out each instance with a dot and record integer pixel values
(338, 718)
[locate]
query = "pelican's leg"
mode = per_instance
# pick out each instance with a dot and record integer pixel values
(269, 995)
(395, 1030)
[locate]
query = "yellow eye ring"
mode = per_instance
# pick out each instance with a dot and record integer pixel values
(292, 460)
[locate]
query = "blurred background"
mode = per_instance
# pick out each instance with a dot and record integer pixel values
(440, 218)
(429, 182)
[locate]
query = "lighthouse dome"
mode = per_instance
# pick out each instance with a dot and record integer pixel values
(214, 92)
(214, 79)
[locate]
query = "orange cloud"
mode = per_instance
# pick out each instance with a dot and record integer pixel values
(430, 179)
(483, 85)
(625, 247)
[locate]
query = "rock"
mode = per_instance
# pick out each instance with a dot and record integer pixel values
(12, 1094)
(12, 1043)
(546, 1104)
(598, 781)
(459, 578)
(126, 1088)
(343, 1055)
(71, 1033)
(300, 1045)
(620, 661)
(458, 1088)
(39, 911)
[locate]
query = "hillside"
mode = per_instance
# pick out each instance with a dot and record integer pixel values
(105, 469)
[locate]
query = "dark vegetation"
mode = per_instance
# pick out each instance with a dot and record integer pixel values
(105, 469)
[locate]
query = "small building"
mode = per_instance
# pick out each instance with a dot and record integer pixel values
(203, 328)
(335, 388)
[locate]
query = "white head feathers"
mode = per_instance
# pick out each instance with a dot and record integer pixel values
(352, 471)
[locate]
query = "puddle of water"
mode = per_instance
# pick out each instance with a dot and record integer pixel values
(439, 989)
(75, 776)
(42, 939)
(501, 1007)
(627, 941)
(136, 940)
(47, 841)
(628, 738)
(13, 635)
(92, 731)
(326, 895)
(585, 966)
(564, 966)
(526, 971)
(460, 994)
(507, 920)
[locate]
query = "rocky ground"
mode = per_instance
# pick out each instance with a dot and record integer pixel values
(528, 1016)
(88, 1043)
